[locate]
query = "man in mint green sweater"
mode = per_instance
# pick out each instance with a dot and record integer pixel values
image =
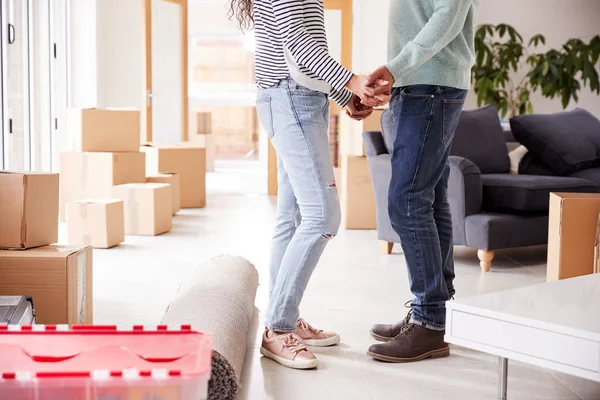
(431, 52)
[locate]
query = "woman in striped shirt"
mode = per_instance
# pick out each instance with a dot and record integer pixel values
(296, 76)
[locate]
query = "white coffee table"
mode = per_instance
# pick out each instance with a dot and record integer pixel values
(553, 325)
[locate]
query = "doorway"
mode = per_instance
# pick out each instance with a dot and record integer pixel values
(166, 55)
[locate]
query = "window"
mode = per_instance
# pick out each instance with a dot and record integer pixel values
(29, 72)
(221, 79)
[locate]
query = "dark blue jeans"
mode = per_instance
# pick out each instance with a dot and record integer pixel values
(425, 118)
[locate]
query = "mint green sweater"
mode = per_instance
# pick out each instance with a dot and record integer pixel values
(431, 42)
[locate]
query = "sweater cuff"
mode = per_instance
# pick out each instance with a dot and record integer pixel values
(341, 98)
(398, 67)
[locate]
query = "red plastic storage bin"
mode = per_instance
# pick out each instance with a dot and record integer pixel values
(104, 363)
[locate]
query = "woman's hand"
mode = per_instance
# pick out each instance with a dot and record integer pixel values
(366, 90)
(356, 110)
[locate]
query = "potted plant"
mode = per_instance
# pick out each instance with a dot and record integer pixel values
(506, 73)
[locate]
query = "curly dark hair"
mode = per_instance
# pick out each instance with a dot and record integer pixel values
(243, 12)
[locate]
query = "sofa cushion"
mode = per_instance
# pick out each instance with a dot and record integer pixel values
(495, 231)
(567, 141)
(531, 164)
(527, 193)
(591, 174)
(387, 129)
(479, 137)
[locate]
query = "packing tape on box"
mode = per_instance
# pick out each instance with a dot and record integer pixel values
(81, 287)
(83, 210)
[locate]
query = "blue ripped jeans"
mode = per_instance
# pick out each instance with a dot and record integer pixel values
(308, 211)
(425, 118)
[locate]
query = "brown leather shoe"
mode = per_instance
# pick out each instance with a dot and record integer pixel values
(414, 343)
(386, 332)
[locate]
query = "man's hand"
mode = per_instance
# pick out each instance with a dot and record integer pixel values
(382, 81)
(356, 110)
(359, 85)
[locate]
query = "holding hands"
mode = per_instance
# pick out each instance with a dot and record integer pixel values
(382, 81)
(369, 91)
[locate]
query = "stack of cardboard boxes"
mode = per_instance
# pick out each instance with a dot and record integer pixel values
(58, 278)
(354, 179)
(186, 160)
(103, 187)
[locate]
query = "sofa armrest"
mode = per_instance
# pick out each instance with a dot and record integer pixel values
(374, 143)
(380, 168)
(465, 193)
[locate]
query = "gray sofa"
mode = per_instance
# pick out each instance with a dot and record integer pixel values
(492, 209)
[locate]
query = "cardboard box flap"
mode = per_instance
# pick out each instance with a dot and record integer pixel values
(27, 173)
(576, 196)
(52, 251)
(97, 201)
(149, 185)
(161, 175)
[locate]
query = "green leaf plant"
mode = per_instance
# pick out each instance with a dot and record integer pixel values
(506, 73)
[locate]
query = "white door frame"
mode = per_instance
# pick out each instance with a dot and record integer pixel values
(59, 78)
(3, 80)
(147, 111)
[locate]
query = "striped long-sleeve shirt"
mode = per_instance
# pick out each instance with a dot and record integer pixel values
(298, 25)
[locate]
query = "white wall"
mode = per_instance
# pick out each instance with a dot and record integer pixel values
(82, 51)
(558, 20)
(369, 41)
(120, 62)
(106, 51)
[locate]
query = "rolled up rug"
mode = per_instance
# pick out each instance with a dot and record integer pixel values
(218, 297)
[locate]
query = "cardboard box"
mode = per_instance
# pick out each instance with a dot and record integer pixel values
(597, 248)
(351, 140)
(186, 159)
(96, 223)
(207, 141)
(572, 234)
(173, 181)
(204, 122)
(58, 278)
(28, 209)
(105, 130)
(93, 175)
(147, 208)
(358, 197)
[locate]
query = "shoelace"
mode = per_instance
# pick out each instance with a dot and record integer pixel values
(307, 327)
(292, 343)
(406, 329)
(407, 318)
